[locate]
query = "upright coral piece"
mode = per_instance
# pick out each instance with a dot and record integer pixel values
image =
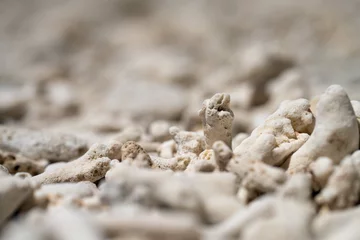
(217, 119)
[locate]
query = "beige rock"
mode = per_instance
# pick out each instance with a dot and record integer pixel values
(78, 170)
(41, 145)
(336, 132)
(92, 166)
(283, 133)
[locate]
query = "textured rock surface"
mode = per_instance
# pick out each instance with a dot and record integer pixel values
(336, 132)
(120, 74)
(41, 145)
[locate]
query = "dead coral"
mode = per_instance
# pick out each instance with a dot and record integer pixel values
(92, 166)
(217, 119)
(336, 132)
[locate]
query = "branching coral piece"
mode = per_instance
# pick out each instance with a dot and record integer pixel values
(90, 167)
(283, 133)
(336, 132)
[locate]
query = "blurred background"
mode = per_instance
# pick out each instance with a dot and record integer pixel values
(96, 67)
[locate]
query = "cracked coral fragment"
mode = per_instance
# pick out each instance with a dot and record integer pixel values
(177, 163)
(135, 154)
(282, 133)
(92, 166)
(217, 119)
(187, 142)
(343, 187)
(336, 132)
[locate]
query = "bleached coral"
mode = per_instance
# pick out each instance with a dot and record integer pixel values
(282, 134)
(217, 118)
(336, 132)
